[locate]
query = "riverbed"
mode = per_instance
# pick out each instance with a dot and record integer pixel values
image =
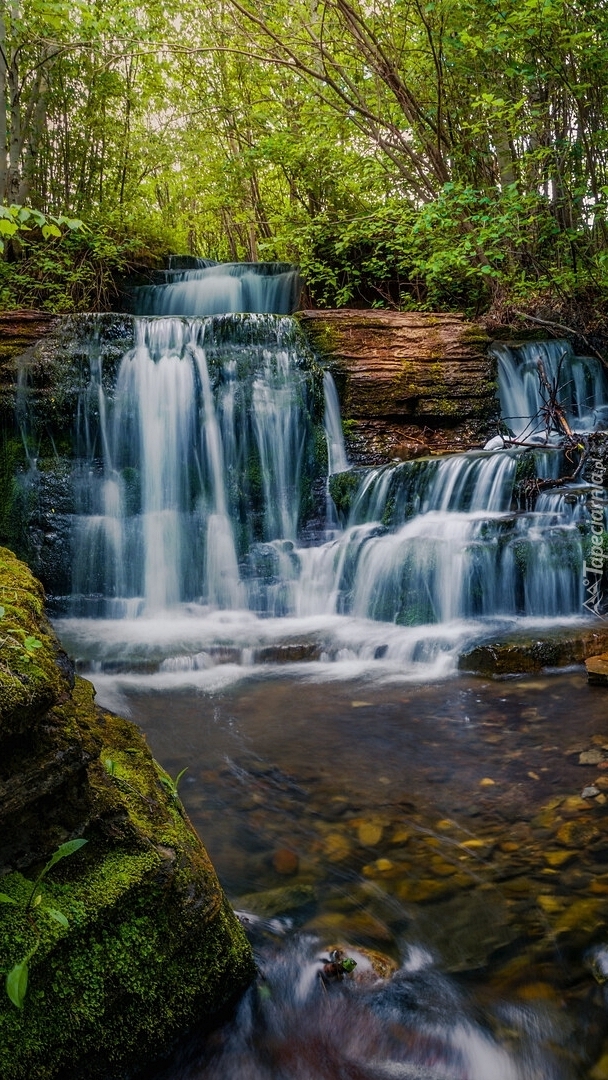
(459, 829)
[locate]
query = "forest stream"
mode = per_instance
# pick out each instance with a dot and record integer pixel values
(288, 630)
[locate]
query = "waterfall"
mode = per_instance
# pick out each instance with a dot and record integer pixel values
(214, 289)
(336, 452)
(580, 381)
(209, 476)
(202, 442)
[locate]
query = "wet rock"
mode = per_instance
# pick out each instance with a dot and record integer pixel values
(371, 965)
(591, 757)
(336, 847)
(583, 917)
(467, 930)
(556, 859)
(590, 792)
(577, 834)
(150, 941)
(285, 861)
(369, 833)
(275, 902)
(597, 670)
(291, 653)
(518, 653)
(600, 1069)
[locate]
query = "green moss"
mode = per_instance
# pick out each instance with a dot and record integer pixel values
(343, 488)
(30, 681)
(151, 943)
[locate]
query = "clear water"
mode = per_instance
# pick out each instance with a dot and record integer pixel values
(381, 796)
(307, 679)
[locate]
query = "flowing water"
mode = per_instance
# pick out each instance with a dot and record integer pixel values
(285, 627)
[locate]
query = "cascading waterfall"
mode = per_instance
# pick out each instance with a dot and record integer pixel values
(203, 472)
(212, 289)
(194, 450)
(581, 381)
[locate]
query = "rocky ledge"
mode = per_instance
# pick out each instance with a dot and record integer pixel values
(521, 653)
(130, 940)
(409, 382)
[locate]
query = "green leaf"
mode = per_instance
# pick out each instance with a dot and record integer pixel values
(58, 916)
(64, 850)
(348, 964)
(4, 899)
(32, 643)
(49, 230)
(8, 228)
(179, 776)
(16, 983)
(2, 612)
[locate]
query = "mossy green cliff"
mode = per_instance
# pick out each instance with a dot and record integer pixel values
(151, 944)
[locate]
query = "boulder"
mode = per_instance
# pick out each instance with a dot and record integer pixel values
(597, 670)
(522, 653)
(142, 942)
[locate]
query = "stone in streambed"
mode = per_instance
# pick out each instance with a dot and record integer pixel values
(577, 834)
(597, 670)
(285, 862)
(275, 902)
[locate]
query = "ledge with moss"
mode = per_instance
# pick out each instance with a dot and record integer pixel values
(147, 944)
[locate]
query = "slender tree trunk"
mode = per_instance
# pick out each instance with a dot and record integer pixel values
(3, 112)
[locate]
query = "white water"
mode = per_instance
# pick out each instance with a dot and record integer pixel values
(581, 381)
(188, 552)
(215, 289)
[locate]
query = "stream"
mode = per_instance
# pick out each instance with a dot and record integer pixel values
(438, 825)
(288, 630)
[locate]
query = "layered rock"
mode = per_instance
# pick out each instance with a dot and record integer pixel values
(146, 943)
(408, 382)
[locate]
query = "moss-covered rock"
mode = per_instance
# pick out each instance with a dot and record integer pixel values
(151, 943)
(519, 654)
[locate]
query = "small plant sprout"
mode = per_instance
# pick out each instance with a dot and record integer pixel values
(17, 978)
(172, 785)
(69, 848)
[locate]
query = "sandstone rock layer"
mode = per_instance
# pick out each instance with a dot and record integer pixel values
(408, 377)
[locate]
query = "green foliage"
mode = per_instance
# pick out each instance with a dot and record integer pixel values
(171, 785)
(17, 977)
(443, 155)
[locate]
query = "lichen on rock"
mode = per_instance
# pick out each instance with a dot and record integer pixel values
(151, 944)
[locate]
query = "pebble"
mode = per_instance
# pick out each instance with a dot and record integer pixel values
(559, 858)
(577, 834)
(336, 847)
(285, 862)
(549, 904)
(591, 757)
(487, 782)
(369, 833)
(600, 1069)
(590, 792)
